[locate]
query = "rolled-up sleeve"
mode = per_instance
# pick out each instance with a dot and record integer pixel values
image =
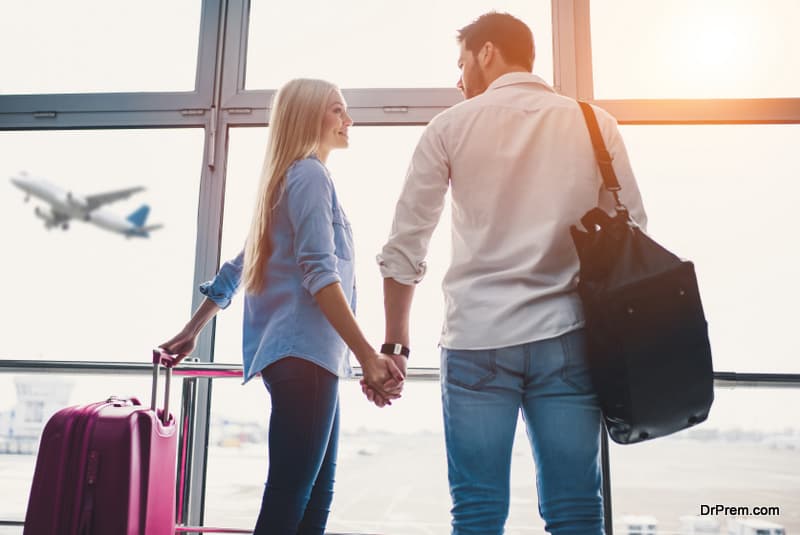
(224, 285)
(417, 212)
(309, 198)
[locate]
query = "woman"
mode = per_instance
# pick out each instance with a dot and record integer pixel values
(298, 275)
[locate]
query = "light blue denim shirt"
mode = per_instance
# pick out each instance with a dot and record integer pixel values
(312, 248)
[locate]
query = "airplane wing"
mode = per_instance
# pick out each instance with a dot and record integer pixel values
(96, 201)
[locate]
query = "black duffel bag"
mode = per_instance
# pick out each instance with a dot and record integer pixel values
(649, 353)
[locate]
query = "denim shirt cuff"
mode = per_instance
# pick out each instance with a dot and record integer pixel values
(316, 282)
(209, 290)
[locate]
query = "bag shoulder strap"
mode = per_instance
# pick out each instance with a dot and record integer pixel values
(600, 152)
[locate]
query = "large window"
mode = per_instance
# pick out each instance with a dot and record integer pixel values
(94, 46)
(691, 49)
(365, 43)
(75, 290)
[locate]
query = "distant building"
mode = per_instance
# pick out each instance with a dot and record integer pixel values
(697, 525)
(38, 398)
(754, 526)
(637, 525)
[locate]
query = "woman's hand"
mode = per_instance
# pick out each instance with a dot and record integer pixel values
(180, 345)
(185, 341)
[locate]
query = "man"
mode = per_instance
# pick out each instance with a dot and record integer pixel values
(521, 169)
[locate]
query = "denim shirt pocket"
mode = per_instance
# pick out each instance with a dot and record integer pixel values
(342, 235)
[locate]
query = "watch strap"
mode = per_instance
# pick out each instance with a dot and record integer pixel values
(395, 349)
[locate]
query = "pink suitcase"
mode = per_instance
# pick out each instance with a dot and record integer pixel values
(107, 468)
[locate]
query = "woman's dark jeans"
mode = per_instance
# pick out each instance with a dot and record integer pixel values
(303, 439)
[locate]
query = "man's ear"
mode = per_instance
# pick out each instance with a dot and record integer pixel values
(487, 53)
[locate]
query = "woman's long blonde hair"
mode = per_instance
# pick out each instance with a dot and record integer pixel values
(295, 127)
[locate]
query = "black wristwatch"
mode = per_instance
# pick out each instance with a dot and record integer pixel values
(395, 349)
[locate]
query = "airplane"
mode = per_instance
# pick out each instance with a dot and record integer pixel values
(65, 206)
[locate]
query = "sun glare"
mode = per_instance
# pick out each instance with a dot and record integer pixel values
(712, 46)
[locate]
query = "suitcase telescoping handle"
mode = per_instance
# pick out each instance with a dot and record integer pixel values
(161, 358)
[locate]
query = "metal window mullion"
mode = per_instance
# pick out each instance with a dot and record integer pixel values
(375, 107)
(572, 48)
(103, 120)
(704, 111)
(207, 253)
(234, 59)
(210, 19)
(53, 115)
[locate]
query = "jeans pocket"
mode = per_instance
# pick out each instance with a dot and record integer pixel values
(471, 369)
(575, 372)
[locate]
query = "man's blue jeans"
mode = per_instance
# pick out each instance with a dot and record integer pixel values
(303, 441)
(482, 394)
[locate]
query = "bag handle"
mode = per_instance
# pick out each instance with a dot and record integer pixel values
(602, 155)
(161, 358)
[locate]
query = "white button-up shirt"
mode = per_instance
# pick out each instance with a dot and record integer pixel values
(522, 169)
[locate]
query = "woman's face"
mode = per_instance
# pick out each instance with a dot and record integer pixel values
(335, 123)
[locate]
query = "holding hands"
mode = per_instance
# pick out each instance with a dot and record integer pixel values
(383, 379)
(381, 390)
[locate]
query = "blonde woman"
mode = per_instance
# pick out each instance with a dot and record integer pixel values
(298, 275)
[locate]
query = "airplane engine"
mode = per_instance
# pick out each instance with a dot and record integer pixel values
(76, 201)
(43, 215)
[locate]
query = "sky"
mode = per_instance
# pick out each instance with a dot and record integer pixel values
(723, 196)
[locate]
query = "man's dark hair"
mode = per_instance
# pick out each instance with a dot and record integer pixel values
(509, 34)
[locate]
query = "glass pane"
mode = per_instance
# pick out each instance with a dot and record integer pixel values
(360, 43)
(690, 49)
(369, 199)
(404, 443)
(725, 197)
(27, 401)
(97, 46)
(744, 456)
(75, 290)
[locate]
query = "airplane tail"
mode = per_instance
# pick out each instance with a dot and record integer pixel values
(139, 217)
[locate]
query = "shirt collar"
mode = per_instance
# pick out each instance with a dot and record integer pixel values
(513, 78)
